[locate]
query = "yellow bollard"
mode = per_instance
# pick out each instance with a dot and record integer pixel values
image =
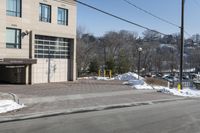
(99, 73)
(179, 87)
(104, 73)
(110, 73)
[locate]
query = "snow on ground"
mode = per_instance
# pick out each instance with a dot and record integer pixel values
(103, 78)
(131, 79)
(96, 78)
(186, 92)
(9, 105)
(92, 77)
(138, 84)
(128, 76)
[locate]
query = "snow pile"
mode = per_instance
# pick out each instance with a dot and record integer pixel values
(128, 76)
(186, 92)
(9, 105)
(138, 84)
(132, 80)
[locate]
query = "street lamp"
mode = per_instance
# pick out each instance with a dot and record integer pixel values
(139, 54)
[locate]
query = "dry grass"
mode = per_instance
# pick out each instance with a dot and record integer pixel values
(154, 81)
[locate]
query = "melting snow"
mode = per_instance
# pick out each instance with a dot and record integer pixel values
(128, 76)
(9, 105)
(131, 79)
(103, 78)
(186, 92)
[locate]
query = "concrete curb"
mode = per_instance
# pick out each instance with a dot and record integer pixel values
(83, 110)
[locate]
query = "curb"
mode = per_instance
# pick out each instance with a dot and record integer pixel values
(83, 110)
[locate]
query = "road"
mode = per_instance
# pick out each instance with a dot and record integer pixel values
(171, 117)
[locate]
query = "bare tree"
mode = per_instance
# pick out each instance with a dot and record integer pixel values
(85, 50)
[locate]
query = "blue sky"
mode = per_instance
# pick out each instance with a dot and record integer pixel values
(98, 23)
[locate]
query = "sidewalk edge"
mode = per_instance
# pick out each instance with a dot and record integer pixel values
(83, 110)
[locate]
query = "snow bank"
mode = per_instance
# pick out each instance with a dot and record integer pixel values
(186, 92)
(131, 79)
(9, 105)
(138, 84)
(128, 76)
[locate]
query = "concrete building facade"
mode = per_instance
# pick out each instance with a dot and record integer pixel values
(37, 41)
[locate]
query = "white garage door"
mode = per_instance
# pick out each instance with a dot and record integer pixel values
(53, 56)
(55, 71)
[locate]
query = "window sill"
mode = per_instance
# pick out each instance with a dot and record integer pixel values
(44, 22)
(62, 25)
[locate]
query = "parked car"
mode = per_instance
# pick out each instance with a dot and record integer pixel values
(168, 78)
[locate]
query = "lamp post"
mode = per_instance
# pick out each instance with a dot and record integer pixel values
(139, 54)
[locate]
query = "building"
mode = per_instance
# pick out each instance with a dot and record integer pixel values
(37, 41)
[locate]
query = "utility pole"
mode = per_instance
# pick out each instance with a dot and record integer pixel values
(182, 43)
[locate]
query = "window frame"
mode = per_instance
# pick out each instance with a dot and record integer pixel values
(41, 18)
(15, 44)
(61, 22)
(16, 13)
(52, 47)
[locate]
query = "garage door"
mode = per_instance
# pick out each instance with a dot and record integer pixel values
(53, 59)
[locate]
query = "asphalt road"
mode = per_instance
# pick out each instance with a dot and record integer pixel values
(173, 117)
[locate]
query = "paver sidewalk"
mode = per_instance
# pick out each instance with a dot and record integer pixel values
(97, 94)
(50, 99)
(90, 100)
(64, 88)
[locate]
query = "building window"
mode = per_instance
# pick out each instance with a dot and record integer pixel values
(13, 8)
(45, 13)
(62, 16)
(13, 38)
(52, 47)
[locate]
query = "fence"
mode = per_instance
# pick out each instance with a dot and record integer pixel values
(186, 84)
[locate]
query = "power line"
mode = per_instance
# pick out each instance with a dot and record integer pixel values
(117, 17)
(153, 15)
(188, 33)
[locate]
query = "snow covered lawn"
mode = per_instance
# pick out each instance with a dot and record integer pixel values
(9, 105)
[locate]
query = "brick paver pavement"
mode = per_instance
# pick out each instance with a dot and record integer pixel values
(65, 88)
(84, 88)
(91, 102)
